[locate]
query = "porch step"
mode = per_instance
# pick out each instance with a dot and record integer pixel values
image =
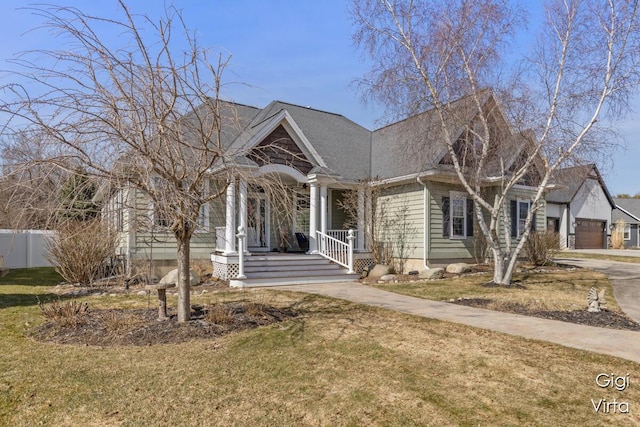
(251, 268)
(278, 270)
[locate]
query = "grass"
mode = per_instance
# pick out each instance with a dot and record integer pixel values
(563, 290)
(604, 257)
(27, 286)
(338, 363)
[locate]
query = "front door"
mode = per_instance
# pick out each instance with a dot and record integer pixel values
(257, 224)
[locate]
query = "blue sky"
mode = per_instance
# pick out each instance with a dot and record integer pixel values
(294, 51)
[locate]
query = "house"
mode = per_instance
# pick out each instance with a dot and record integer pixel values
(580, 209)
(628, 211)
(325, 160)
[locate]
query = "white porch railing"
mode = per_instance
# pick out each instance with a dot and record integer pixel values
(337, 250)
(343, 235)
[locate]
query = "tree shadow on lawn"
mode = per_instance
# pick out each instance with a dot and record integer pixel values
(22, 287)
(35, 277)
(25, 300)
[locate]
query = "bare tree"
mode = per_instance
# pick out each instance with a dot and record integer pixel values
(29, 183)
(145, 113)
(443, 55)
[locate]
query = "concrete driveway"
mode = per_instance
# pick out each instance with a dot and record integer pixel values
(624, 276)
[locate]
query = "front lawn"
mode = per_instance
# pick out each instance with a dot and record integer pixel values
(335, 363)
(603, 257)
(555, 289)
(551, 293)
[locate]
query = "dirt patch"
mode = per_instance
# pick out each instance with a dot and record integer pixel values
(602, 319)
(141, 326)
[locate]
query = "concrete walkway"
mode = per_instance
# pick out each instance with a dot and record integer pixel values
(618, 343)
(624, 277)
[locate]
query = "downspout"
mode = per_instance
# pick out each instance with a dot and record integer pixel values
(426, 224)
(569, 228)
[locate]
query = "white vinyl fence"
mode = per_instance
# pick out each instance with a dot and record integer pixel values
(24, 248)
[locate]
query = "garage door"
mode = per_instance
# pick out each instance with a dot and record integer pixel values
(590, 234)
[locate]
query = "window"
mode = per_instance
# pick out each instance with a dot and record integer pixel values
(302, 212)
(160, 217)
(523, 211)
(457, 216)
(627, 232)
(115, 211)
(519, 211)
(203, 219)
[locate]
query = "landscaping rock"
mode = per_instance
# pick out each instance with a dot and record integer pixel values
(432, 273)
(141, 278)
(172, 278)
(380, 270)
(414, 273)
(458, 268)
(141, 293)
(388, 277)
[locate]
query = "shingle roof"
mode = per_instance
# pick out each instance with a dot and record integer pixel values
(352, 152)
(631, 206)
(342, 144)
(571, 179)
(418, 143)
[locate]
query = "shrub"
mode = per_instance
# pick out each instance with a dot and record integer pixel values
(541, 247)
(220, 314)
(617, 236)
(65, 313)
(80, 250)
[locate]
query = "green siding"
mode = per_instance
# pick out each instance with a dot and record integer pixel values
(443, 247)
(405, 201)
(161, 244)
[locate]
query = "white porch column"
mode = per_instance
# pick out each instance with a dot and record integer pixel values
(242, 210)
(313, 217)
(361, 220)
(230, 225)
(323, 209)
(368, 218)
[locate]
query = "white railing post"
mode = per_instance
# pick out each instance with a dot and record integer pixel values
(350, 238)
(241, 236)
(230, 219)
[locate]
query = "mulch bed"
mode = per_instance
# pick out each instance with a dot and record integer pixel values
(602, 319)
(141, 326)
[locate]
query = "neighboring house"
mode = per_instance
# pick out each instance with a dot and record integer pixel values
(321, 156)
(580, 209)
(628, 210)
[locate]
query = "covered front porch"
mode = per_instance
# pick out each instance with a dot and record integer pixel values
(305, 222)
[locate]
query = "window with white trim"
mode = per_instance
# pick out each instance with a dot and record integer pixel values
(115, 211)
(627, 232)
(524, 206)
(458, 215)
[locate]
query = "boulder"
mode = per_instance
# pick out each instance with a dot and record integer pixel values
(432, 273)
(172, 278)
(380, 270)
(388, 277)
(458, 268)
